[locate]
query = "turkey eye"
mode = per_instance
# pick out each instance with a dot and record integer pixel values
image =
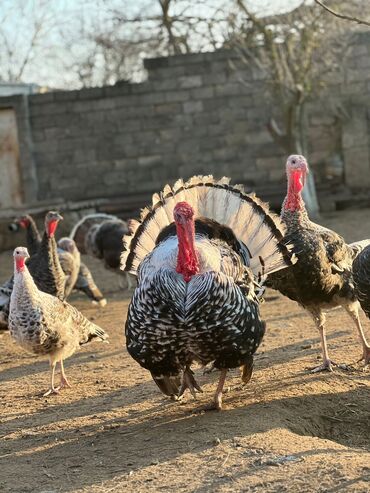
(293, 161)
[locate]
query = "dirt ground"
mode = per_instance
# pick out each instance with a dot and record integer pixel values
(288, 430)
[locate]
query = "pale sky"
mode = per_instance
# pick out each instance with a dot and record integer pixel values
(63, 21)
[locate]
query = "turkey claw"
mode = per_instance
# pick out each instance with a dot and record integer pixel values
(366, 356)
(51, 391)
(189, 382)
(326, 366)
(209, 370)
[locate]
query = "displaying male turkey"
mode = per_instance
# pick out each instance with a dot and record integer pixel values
(70, 261)
(44, 266)
(100, 235)
(43, 324)
(84, 281)
(198, 252)
(322, 277)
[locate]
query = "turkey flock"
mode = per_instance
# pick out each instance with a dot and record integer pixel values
(198, 261)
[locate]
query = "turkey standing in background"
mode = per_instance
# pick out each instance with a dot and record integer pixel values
(100, 235)
(322, 277)
(44, 266)
(33, 237)
(43, 324)
(70, 261)
(196, 297)
(361, 276)
(84, 282)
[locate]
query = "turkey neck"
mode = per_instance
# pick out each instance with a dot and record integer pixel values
(33, 237)
(294, 211)
(48, 247)
(24, 290)
(187, 260)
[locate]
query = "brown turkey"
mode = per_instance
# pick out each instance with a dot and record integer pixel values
(33, 237)
(100, 235)
(84, 281)
(322, 277)
(43, 324)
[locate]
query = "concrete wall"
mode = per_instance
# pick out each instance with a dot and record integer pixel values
(191, 116)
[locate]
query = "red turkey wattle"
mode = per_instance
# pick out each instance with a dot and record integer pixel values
(52, 226)
(295, 186)
(187, 260)
(20, 263)
(24, 223)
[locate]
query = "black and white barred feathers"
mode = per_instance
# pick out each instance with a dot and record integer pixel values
(215, 316)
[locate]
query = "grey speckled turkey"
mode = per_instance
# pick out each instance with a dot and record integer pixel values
(322, 277)
(85, 283)
(70, 261)
(199, 254)
(43, 324)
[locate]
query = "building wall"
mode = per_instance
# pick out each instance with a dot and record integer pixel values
(192, 115)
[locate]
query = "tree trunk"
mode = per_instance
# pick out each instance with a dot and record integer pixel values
(300, 144)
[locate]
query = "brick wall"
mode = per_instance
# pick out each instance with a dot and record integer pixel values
(191, 116)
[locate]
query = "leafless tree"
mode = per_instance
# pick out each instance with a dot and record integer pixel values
(24, 26)
(286, 49)
(339, 15)
(155, 28)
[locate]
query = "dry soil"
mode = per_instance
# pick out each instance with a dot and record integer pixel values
(288, 430)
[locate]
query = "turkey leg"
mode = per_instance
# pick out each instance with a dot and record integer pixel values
(319, 319)
(63, 380)
(218, 394)
(52, 389)
(189, 382)
(352, 310)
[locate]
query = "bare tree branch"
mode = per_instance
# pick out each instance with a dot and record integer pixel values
(342, 16)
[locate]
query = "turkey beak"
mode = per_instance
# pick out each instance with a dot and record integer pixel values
(58, 217)
(13, 227)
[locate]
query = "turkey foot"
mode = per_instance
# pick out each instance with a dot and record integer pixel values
(64, 383)
(52, 390)
(189, 382)
(327, 365)
(365, 356)
(63, 379)
(217, 401)
(211, 369)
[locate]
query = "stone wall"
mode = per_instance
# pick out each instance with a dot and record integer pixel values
(191, 116)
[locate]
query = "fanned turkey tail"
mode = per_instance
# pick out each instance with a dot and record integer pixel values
(259, 231)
